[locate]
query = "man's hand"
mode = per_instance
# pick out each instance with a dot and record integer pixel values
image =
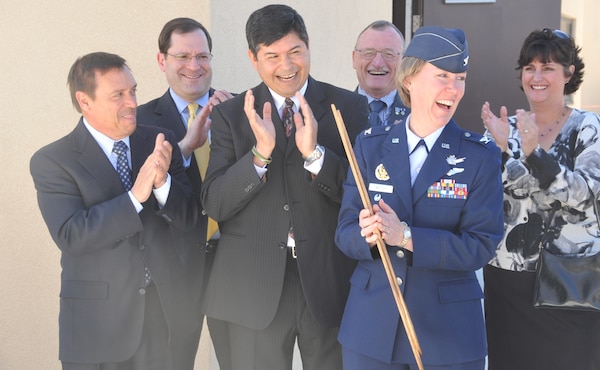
(306, 128)
(197, 132)
(153, 173)
(263, 128)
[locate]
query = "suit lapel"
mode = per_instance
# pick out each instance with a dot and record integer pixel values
(262, 95)
(166, 107)
(398, 113)
(395, 160)
(93, 159)
(436, 165)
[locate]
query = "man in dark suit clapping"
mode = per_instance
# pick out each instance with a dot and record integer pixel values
(274, 183)
(111, 193)
(184, 55)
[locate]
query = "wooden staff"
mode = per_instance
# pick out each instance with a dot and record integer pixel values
(385, 257)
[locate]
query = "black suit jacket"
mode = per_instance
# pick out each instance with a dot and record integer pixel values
(105, 245)
(162, 112)
(247, 277)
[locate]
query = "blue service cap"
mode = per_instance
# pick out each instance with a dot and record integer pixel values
(445, 48)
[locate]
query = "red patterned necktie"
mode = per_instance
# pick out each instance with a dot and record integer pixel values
(288, 116)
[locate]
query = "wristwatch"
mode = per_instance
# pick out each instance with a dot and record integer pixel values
(407, 235)
(315, 155)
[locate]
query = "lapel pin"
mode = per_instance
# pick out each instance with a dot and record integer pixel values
(453, 161)
(454, 171)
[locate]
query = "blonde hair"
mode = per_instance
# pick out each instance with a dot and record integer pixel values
(409, 67)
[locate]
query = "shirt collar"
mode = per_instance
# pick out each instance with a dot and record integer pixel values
(105, 142)
(182, 103)
(412, 139)
(387, 99)
(280, 100)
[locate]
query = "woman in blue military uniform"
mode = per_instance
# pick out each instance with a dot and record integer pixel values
(437, 196)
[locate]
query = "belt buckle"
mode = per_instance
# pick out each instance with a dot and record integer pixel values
(293, 252)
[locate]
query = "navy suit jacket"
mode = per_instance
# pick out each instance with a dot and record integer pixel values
(398, 111)
(105, 245)
(453, 236)
(255, 216)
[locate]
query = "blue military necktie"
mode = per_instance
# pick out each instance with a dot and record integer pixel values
(375, 108)
(417, 157)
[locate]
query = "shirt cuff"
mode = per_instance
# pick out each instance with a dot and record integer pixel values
(316, 166)
(162, 194)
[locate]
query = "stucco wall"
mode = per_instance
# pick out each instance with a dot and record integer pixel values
(40, 40)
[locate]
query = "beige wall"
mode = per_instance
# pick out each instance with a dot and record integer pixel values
(40, 41)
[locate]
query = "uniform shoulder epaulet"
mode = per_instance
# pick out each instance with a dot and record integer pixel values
(478, 138)
(376, 131)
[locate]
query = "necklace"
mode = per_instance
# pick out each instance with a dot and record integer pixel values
(564, 113)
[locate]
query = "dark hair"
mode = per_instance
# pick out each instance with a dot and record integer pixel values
(553, 46)
(381, 25)
(271, 23)
(82, 76)
(179, 26)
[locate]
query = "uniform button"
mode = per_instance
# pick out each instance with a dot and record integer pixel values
(399, 280)
(286, 207)
(203, 212)
(142, 291)
(400, 253)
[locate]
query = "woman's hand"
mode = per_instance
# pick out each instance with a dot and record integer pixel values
(497, 127)
(528, 131)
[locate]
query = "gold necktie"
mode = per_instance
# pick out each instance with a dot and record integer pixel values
(202, 154)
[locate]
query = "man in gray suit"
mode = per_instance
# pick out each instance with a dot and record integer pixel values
(111, 193)
(376, 57)
(274, 183)
(184, 55)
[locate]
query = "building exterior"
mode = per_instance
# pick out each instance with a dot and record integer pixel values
(42, 39)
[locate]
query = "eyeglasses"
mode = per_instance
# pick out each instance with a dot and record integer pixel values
(556, 33)
(186, 58)
(388, 55)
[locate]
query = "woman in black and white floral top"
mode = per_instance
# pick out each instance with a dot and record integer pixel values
(551, 175)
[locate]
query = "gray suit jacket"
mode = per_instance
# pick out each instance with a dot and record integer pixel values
(247, 277)
(162, 112)
(105, 245)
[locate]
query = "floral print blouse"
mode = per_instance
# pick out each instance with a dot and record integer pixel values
(551, 198)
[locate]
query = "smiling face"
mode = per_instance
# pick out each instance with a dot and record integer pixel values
(377, 77)
(284, 65)
(189, 79)
(544, 82)
(434, 95)
(112, 109)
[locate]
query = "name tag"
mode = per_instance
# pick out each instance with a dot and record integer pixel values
(381, 188)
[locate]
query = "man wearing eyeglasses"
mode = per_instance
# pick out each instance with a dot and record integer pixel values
(375, 58)
(185, 57)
